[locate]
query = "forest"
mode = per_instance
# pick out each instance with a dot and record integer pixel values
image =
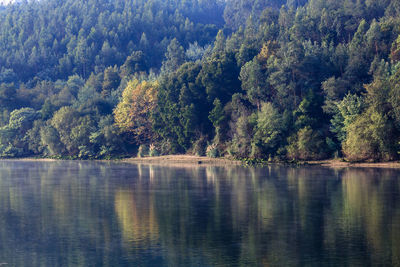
(270, 80)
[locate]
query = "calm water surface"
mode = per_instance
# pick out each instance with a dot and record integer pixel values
(113, 214)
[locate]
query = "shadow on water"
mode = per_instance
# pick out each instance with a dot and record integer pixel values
(73, 213)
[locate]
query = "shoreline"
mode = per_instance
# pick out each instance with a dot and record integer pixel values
(337, 163)
(196, 160)
(183, 159)
(202, 160)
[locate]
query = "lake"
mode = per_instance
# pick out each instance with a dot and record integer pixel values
(73, 213)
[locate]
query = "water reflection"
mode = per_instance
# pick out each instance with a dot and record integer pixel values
(107, 214)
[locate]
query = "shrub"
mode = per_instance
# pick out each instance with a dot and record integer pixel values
(212, 151)
(243, 132)
(143, 151)
(166, 147)
(307, 144)
(199, 146)
(153, 151)
(369, 138)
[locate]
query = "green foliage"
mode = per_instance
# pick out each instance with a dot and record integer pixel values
(395, 52)
(33, 138)
(237, 11)
(212, 151)
(77, 36)
(307, 144)
(22, 119)
(134, 63)
(369, 138)
(143, 151)
(183, 109)
(64, 121)
(269, 129)
(394, 95)
(217, 114)
(200, 146)
(106, 139)
(347, 111)
(153, 151)
(111, 81)
(370, 135)
(174, 57)
(219, 75)
(243, 130)
(51, 140)
(257, 79)
(254, 82)
(309, 112)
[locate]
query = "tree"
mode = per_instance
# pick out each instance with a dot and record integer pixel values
(63, 121)
(133, 113)
(219, 75)
(254, 83)
(182, 111)
(394, 95)
(307, 144)
(241, 145)
(370, 135)
(395, 51)
(136, 62)
(13, 141)
(269, 129)
(8, 94)
(111, 81)
(174, 57)
(217, 117)
(309, 112)
(33, 138)
(107, 140)
(22, 119)
(369, 138)
(51, 141)
(347, 112)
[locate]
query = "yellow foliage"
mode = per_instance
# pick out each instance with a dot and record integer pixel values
(133, 113)
(269, 49)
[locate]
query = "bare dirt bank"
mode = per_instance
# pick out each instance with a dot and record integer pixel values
(180, 160)
(188, 160)
(334, 163)
(183, 159)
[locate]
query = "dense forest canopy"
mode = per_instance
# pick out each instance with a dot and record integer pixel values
(262, 79)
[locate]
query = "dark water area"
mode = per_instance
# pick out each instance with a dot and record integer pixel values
(71, 213)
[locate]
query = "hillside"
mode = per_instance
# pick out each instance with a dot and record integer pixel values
(268, 79)
(6, 2)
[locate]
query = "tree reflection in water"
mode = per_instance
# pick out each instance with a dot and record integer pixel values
(110, 214)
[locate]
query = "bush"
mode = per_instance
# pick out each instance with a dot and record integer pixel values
(369, 138)
(166, 147)
(269, 127)
(307, 144)
(243, 131)
(143, 151)
(199, 146)
(212, 151)
(153, 151)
